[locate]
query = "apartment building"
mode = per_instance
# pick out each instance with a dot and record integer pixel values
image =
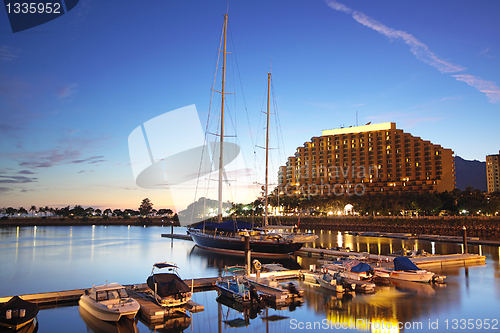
(492, 170)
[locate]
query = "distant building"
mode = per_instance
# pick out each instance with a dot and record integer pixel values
(375, 158)
(492, 170)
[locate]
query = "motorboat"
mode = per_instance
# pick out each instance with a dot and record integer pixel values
(405, 269)
(355, 272)
(17, 313)
(168, 289)
(351, 269)
(237, 288)
(109, 302)
(334, 282)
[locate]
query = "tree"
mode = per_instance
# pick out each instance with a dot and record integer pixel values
(32, 210)
(10, 211)
(146, 207)
(22, 211)
(107, 211)
(98, 212)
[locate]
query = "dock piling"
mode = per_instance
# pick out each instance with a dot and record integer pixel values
(464, 231)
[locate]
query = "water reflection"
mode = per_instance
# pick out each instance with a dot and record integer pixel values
(124, 325)
(59, 258)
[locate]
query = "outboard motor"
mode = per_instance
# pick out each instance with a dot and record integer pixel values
(253, 294)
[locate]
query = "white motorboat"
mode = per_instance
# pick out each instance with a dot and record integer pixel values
(168, 289)
(109, 302)
(405, 269)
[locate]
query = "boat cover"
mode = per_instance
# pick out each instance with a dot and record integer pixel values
(356, 266)
(167, 284)
(404, 264)
(228, 226)
(165, 265)
(16, 304)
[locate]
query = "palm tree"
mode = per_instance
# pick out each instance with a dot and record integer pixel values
(41, 210)
(107, 211)
(32, 210)
(46, 210)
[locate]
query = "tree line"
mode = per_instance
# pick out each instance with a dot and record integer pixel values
(145, 209)
(470, 202)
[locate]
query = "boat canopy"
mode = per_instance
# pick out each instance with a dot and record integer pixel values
(165, 265)
(167, 284)
(228, 226)
(356, 266)
(404, 264)
(16, 303)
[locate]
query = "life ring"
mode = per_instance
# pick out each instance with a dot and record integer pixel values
(257, 264)
(325, 270)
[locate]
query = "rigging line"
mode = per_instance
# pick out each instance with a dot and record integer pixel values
(208, 120)
(241, 87)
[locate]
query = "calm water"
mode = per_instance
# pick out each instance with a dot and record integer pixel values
(46, 259)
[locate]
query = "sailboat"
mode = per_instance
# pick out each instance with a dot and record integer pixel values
(228, 237)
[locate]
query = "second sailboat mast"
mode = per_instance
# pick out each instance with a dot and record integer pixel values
(267, 146)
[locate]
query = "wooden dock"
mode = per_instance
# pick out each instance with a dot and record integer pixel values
(72, 296)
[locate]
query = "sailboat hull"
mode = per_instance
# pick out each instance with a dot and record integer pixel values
(235, 246)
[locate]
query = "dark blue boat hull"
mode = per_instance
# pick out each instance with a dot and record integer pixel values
(233, 246)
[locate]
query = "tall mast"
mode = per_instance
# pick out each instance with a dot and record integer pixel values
(267, 146)
(219, 212)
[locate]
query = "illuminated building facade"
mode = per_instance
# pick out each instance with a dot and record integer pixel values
(492, 171)
(368, 159)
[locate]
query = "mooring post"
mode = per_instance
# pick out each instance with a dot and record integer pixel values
(172, 227)
(464, 231)
(247, 253)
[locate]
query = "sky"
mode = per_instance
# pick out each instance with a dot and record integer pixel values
(73, 89)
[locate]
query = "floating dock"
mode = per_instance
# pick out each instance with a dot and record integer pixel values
(429, 260)
(177, 236)
(72, 296)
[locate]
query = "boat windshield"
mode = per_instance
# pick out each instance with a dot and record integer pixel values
(111, 294)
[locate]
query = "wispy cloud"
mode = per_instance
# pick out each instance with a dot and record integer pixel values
(8, 53)
(66, 91)
(16, 180)
(421, 51)
(491, 90)
(485, 53)
(57, 156)
(26, 172)
(5, 189)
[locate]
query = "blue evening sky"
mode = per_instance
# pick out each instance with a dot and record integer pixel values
(73, 89)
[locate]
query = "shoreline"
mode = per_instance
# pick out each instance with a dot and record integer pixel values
(486, 228)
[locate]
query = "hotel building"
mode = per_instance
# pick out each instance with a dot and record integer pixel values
(376, 158)
(492, 171)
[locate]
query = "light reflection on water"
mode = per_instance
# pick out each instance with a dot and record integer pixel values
(60, 258)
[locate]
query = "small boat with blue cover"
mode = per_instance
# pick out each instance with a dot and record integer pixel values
(405, 269)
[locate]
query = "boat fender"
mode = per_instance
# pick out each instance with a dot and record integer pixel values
(325, 270)
(257, 264)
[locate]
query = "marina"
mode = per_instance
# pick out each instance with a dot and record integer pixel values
(202, 269)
